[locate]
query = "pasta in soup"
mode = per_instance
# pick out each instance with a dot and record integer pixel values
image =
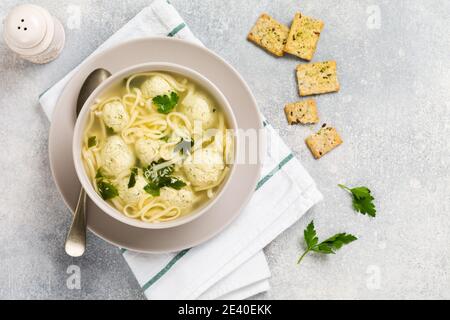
(156, 146)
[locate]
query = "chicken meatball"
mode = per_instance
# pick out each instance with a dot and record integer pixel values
(115, 116)
(116, 156)
(155, 86)
(134, 194)
(198, 107)
(182, 198)
(204, 167)
(147, 150)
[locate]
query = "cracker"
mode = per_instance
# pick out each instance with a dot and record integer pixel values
(323, 141)
(269, 34)
(304, 112)
(316, 78)
(303, 36)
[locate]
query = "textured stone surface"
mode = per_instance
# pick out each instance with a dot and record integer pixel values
(392, 112)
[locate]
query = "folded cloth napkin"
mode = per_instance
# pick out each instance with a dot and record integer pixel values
(231, 265)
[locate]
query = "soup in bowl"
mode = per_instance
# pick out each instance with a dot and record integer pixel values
(154, 145)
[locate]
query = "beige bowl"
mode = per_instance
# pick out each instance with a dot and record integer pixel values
(82, 121)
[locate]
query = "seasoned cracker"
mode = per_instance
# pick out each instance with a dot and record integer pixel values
(323, 141)
(316, 78)
(303, 36)
(269, 34)
(304, 112)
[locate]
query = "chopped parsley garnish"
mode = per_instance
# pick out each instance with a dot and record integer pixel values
(172, 182)
(106, 189)
(109, 130)
(158, 179)
(152, 189)
(92, 141)
(132, 181)
(166, 103)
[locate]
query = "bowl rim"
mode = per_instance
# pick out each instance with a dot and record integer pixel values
(80, 124)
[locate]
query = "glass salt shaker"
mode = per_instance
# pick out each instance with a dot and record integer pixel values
(33, 33)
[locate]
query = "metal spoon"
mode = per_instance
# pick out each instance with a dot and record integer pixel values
(76, 238)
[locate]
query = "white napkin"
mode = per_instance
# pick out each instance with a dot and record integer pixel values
(231, 265)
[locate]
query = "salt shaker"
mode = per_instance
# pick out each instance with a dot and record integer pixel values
(33, 33)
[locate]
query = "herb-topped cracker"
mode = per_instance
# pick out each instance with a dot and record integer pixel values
(269, 34)
(303, 36)
(304, 112)
(315, 78)
(323, 141)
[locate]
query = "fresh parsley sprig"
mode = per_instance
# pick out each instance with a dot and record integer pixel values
(362, 200)
(328, 246)
(166, 103)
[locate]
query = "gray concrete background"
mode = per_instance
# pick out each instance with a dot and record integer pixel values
(393, 112)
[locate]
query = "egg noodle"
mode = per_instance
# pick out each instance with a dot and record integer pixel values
(130, 148)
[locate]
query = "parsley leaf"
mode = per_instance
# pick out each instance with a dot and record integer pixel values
(362, 200)
(328, 246)
(107, 190)
(334, 243)
(171, 182)
(92, 141)
(166, 103)
(310, 235)
(132, 181)
(153, 189)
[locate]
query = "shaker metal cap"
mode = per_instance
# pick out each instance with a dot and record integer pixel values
(28, 29)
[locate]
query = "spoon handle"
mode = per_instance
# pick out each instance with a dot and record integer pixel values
(76, 238)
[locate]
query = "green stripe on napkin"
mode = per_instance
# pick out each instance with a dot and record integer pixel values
(177, 29)
(275, 170)
(165, 269)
